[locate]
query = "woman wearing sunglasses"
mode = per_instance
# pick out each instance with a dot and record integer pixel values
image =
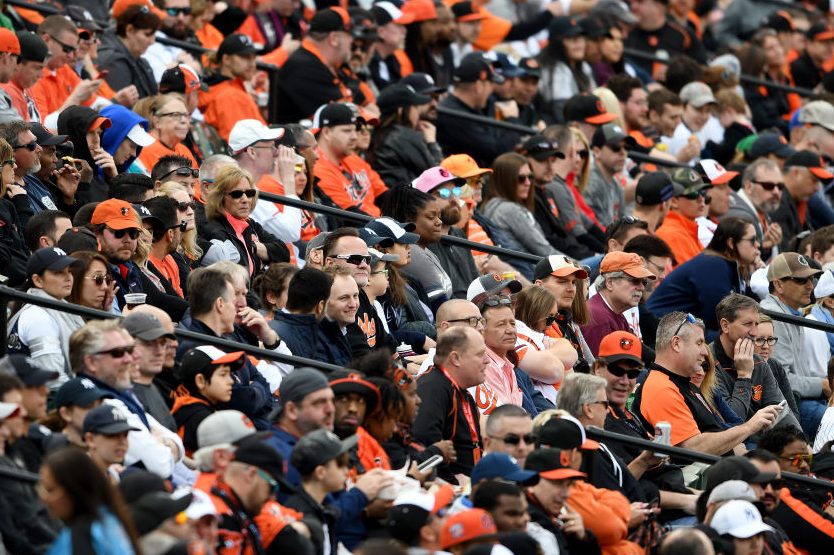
(40, 333)
(700, 283)
(509, 203)
(93, 285)
(170, 123)
(230, 230)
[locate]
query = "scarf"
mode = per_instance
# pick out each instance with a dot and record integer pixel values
(824, 315)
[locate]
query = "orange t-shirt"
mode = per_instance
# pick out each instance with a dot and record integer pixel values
(226, 103)
(352, 183)
(662, 401)
(681, 234)
(169, 269)
(151, 154)
(371, 454)
(53, 88)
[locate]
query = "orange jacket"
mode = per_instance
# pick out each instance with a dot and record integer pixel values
(352, 183)
(681, 234)
(151, 154)
(226, 103)
(53, 88)
(371, 454)
(606, 513)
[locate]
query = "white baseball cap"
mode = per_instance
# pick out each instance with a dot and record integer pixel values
(715, 172)
(8, 409)
(825, 286)
(740, 519)
(138, 135)
(731, 489)
(247, 132)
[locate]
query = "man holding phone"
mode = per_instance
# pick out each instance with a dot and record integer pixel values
(743, 378)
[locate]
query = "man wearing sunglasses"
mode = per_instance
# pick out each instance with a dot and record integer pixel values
(605, 195)
(679, 229)
(792, 280)
(117, 225)
(509, 429)
(762, 187)
(805, 172)
(174, 25)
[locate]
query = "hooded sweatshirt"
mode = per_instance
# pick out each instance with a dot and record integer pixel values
(74, 122)
(123, 121)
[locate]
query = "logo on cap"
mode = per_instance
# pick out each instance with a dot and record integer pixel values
(124, 210)
(444, 173)
(144, 210)
(456, 530)
(117, 414)
(87, 384)
(497, 277)
(617, 129)
(58, 251)
(801, 259)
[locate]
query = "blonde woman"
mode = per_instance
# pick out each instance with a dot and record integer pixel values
(705, 379)
(188, 252)
(233, 234)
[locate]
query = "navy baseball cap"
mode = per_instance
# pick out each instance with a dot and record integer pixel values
(391, 229)
(28, 373)
(48, 258)
(78, 392)
(372, 238)
(107, 420)
(503, 466)
(423, 83)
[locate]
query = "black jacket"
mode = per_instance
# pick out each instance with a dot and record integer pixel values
(25, 525)
(555, 234)
(219, 228)
(74, 122)
(805, 73)
(126, 70)
(13, 251)
(333, 345)
(304, 84)
(456, 135)
(403, 155)
(316, 517)
(457, 262)
(298, 331)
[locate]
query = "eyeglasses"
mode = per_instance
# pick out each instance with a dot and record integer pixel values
(473, 321)
(173, 115)
(515, 439)
(8, 162)
(583, 153)
(524, 177)
(753, 240)
(174, 12)
(605, 404)
(801, 280)
(550, 319)
(761, 341)
(688, 319)
(770, 185)
(117, 352)
(101, 279)
(250, 193)
(798, 459)
(132, 232)
(183, 206)
(355, 259)
(67, 48)
(447, 193)
(620, 371)
(182, 171)
(271, 146)
(383, 272)
(28, 146)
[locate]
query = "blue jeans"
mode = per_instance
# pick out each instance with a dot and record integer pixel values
(810, 415)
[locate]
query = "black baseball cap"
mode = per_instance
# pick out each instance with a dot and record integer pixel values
(347, 381)
(654, 188)
(29, 374)
(593, 27)
(610, 134)
(735, 468)
(810, 160)
(466, 11)
(253, 451)
(530, 67)
(77, 239)
(564, 27)
(400, 95)
(398, 232)
(319, 447)
(780, 21)
(423, 83)
(330, 20)
(165, 210)
(32, 47)
(820, 31)
(332, 115)
(372, 239)
(236, 44)
(107, 420)
(541, 148)
(771, 143)
(474, 67)
(587, 108)
(505, 66)
(44, 137)
(48, 258)
(181, 79)
(199, 359)
(78, 392)
(565, 432)
(83, 18)
(154, 508)
(146, 216)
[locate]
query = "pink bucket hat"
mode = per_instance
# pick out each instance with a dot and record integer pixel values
(434, 177)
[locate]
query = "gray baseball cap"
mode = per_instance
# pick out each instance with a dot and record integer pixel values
(319, 447)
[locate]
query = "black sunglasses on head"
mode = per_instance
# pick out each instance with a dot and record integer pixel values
(182, 171)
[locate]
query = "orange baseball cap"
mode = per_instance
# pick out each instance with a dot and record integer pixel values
(9, 42)
(419, 10)
(552, 464)
(558, 265)
(116, 214)
(628, 262)
(621, 345)
(100, 123)
(119, 6)
(463, 165)
(466, 526)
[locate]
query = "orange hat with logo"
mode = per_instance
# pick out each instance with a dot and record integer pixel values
(9, 42)
(463, 165)
(621, 345)
(466, 526)
(116, 214)
(119, 6)
(419, 10)
(628, 262)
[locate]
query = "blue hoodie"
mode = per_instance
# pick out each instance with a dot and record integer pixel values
(123, 121)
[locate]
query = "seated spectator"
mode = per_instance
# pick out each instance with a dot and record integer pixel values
(40, 333)
(94, 356)
(705, 379)
(738, 317)
(206, 373)
(135, 32)
(605, 191)
(698, 285)
(272, 287)
(679, 229)
(792, 281)
(740, 521)
(93, 285)
(84, 127)
(176, 168)
(360, 406)
(565, 73)
(45, 228)
(166, 237)
(652, 198)
(126, 136)
(73, 401)
(188, 251)
(620, 287)
(667, 395)
(760, 195)
(340, 309)
(169, 125)
(698, 125)
(105, 438)
(14, 202)
(510, 201)
(509, 430)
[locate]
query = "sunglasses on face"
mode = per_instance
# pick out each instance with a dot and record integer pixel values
(182, 171)
(132, 232)
(515, 439)
(776, 484)
(620, 371)
(174, 12)
(250, 193)
(117, 352)
(448, 193)
(636, 281)
(67, 48)
(183, 206)
(524, 177)
(799, 458)
(355, 259)
(101, 279)
(617, 148)
(582, 153)
(801, 280)
(694, 196)
(28, 146)
(770, 185)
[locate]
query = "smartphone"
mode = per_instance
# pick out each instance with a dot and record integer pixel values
(430, 463)
(783, 412)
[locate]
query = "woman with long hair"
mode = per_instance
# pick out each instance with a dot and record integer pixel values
(725, 266)
(93, 285)
(510, 202)
(565, 73)
(15, 208)
(272, 287)
(41, 333)
(705, 380)
(404, 145)
(188, 252)
(607, 40)
(229, 205)
(76, 492)
(170, 123)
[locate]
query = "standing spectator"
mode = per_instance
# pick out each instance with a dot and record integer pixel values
(604, 193)
(804, 172)
(565, 73)
(621, 282)
(135, 32)
(792, 281)
(679, 229)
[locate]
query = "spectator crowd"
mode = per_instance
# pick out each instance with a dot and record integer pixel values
(417, 276)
